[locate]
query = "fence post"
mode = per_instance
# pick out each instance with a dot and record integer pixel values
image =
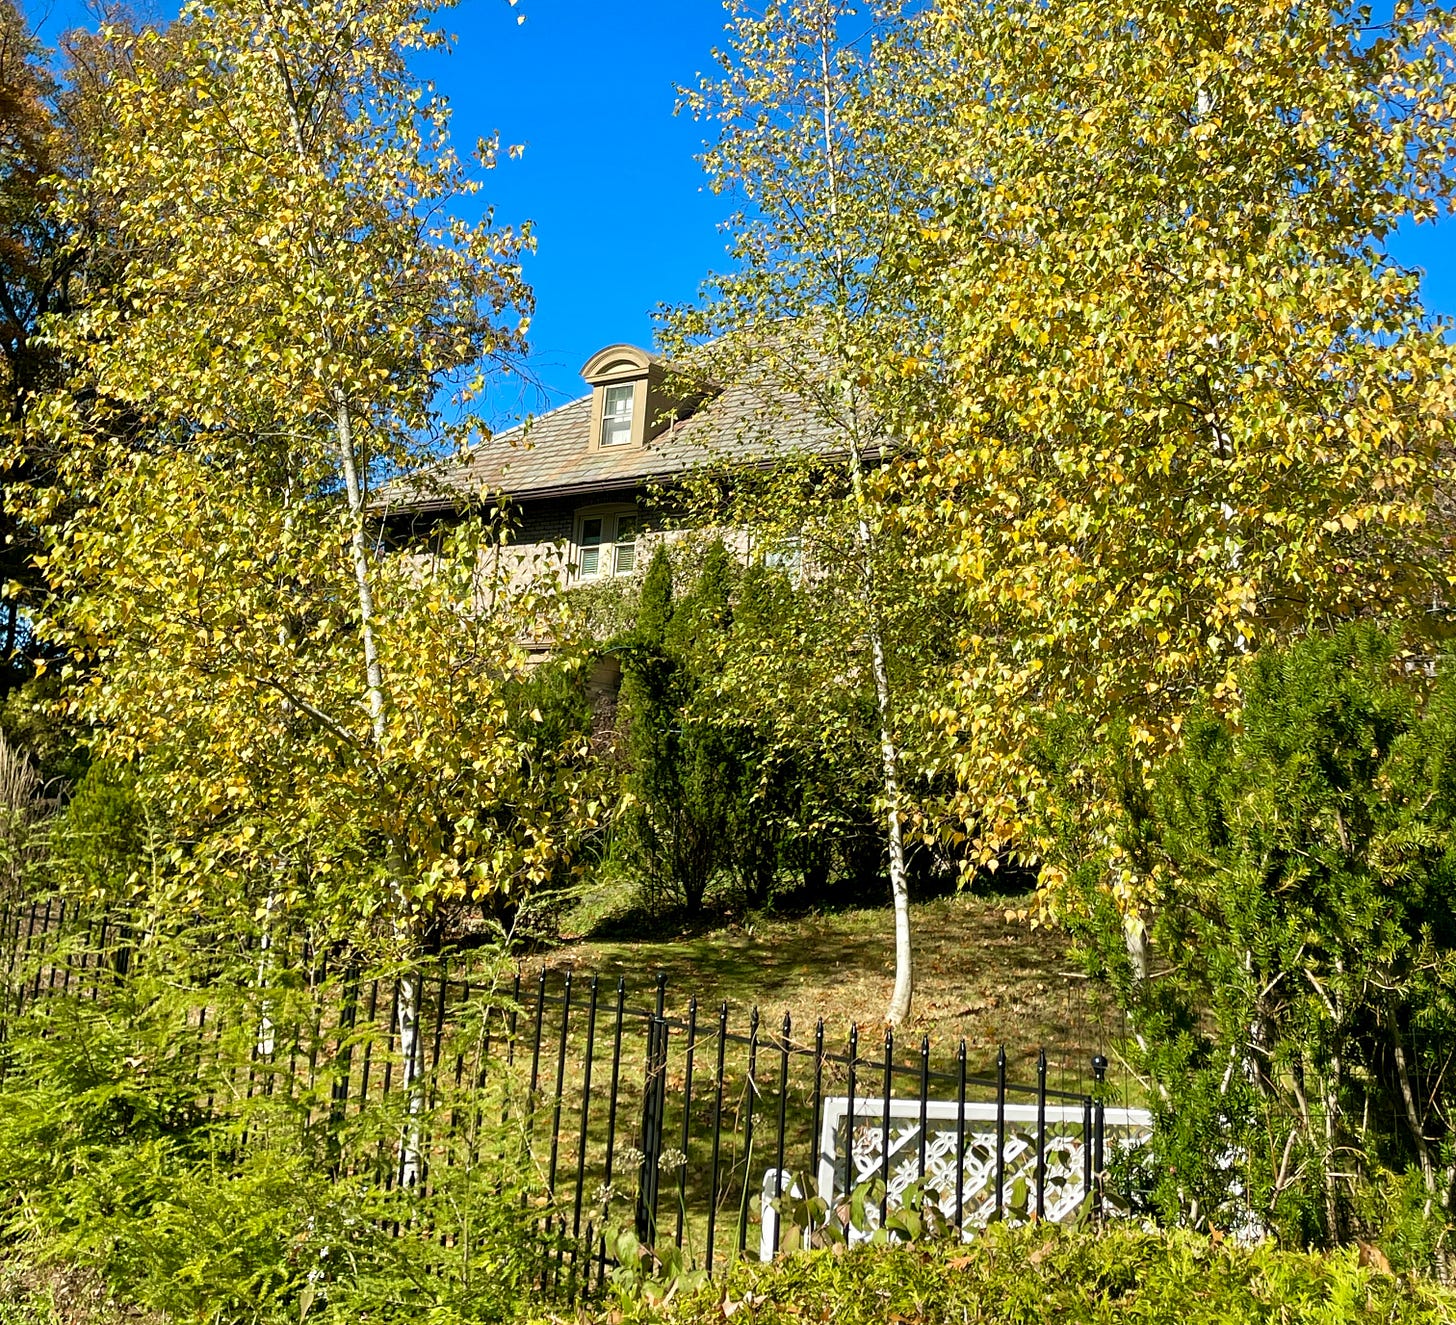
(682, 1173)
(783, 1122)
(1041, 1138)
(653, 1101)
(849, 1123)
(960, 1178)
(752, 1090)
(343, 1061)
(611, 1128)
(1001, 1132)
(884, 1127)
(560, 1086)
(581, 1139)
(1099, 1120)
(717, 1129)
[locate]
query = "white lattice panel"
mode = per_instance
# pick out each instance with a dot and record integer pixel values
(1059, 1133)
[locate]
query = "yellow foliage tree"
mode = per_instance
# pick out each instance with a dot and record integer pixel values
(1186, 402)
(326, 728)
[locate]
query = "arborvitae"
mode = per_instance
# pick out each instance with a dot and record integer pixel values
(704, 615)
(684, 775)
(654, 607)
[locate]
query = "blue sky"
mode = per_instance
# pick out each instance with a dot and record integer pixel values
(608, 175)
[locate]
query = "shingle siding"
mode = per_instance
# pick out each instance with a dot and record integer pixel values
(544, 521)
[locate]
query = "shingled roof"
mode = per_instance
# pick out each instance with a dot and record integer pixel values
(552, 455)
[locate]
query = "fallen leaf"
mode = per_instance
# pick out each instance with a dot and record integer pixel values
(1374, 1258)
(1041, 1253)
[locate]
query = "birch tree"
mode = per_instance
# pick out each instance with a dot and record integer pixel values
(802, 105)
(1117, 281)
(296, 298)
(1189, 402)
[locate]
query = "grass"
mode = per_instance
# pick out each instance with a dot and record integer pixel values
(979, 975)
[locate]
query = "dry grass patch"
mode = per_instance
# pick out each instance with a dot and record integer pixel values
(979, 975)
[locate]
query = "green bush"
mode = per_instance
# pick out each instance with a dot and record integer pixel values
(1294, 992)
(205, 1182)
(716, 799)
(1054, 1276)
(683, 773)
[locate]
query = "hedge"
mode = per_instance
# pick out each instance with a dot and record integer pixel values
(1051, 1276)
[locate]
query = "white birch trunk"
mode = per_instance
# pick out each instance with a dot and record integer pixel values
(904, 988)
(409, 1044)
(359, 551)
(411, 1059)
(408, 1018)
(265, 1020)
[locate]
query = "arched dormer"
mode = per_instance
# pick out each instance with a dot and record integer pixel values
(631, 397)
(621, 379)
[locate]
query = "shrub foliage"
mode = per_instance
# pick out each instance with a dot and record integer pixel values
(177, 1125)
(1294, 988)
(1037, 1275)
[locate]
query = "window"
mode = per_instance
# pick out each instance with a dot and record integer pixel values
(617, 415)
(591, 547)
(624, 555)
(608, 543)
(786, 555)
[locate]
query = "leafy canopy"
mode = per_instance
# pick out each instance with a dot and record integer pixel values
(296, 299)
(1186, 403)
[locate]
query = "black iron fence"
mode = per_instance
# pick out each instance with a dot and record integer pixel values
(713, 1134)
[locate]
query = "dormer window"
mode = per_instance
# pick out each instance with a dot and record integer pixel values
(617, 402)
(633, 399)
(624, 397)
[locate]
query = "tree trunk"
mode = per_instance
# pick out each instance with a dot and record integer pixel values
(373, 673)
(904, 990)
(1408, 1098)
(409, 985)
(1136, 941)
(411, 1060)
(265, 1011)
(374, 687)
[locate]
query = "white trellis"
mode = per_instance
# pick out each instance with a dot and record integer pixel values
(1059, 1131)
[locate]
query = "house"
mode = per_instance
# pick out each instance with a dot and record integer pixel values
(576, 478)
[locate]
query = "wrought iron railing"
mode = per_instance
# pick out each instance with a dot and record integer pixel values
(691, 1128)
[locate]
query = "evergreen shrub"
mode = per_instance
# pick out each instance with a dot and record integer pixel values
(1055, 1276)
(1292, 986)
(714, 801)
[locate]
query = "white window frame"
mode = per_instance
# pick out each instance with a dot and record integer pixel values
(783, 554)
(611, 545)
(608, 420)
